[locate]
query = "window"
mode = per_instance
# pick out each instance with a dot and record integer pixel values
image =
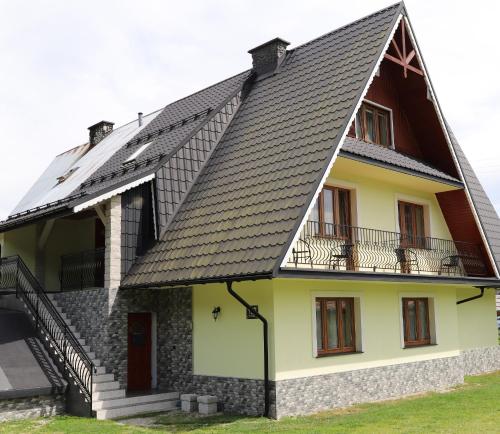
(411, 225)
(373, 124)
(138, 152)
(335, 331)
(331, 215)
(416, 321)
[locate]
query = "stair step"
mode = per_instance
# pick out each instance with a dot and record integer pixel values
(150, 407)
(134, 400)
(108, 394)
(99, 370)
(103, 378)
(108, 385)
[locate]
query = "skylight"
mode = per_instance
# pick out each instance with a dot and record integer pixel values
(64, 177)
(139, 151)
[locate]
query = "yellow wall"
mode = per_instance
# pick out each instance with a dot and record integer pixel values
(377, 191)
(381, 330)
(67, 236)
(232, 345)
(477, 319)
(21, 242)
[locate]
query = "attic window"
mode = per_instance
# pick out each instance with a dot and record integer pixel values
(374, 124)
(138, 152)
(61, 179)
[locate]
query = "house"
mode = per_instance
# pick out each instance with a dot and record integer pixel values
(305, 235)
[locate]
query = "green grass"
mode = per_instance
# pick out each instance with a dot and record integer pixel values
(472, 408)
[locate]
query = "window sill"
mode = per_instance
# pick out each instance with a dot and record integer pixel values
(320, 356)
(409, 347)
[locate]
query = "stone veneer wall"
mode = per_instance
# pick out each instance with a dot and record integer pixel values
(322, 392)
(481, 360)
(106, 333)
(36, 406)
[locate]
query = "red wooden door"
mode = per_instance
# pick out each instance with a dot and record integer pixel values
(139, 351)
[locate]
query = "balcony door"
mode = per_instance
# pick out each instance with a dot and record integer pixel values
(411, 225)
(331, 215)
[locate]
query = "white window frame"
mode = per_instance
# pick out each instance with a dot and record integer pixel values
(358, 318)
(380, 106)
(433, 317)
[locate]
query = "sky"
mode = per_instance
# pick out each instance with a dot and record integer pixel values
(66, 65)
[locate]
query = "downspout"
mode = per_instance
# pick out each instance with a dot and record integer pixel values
(475, 297)
(229, 285)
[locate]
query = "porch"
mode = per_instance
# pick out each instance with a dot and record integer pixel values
(325, 246)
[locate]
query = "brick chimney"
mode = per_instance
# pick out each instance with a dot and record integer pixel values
(268, 56)
(98, 131)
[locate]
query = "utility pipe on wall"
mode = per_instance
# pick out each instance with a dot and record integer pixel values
(229, 285)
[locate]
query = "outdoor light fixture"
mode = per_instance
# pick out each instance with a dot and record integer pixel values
(215, 312)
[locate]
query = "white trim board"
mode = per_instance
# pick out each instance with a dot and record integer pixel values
(341, 141)
(110, 194)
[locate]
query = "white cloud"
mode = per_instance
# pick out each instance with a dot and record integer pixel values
(67, 65)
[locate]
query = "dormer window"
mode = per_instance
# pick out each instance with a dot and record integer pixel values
(374, 124)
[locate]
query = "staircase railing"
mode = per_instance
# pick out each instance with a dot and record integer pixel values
(56, 335)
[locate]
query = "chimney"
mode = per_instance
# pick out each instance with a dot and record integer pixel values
(268, 56)
(98, 131)
(139, 118)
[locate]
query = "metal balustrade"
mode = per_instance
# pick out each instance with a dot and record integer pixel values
(82, 270)
(59, 340)
(349, 248)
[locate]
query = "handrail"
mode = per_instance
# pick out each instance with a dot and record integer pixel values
(344, 247)
(58, 338)
(82, 270)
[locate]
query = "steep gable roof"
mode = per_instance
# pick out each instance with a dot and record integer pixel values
(255, 189)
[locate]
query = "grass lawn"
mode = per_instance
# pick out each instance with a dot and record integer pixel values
(472, 408)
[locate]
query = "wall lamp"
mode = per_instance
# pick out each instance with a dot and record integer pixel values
(216, 312)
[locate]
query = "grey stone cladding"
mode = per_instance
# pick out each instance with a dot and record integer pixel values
(106, 333)
(481, 360)
(236, 395)
(35, 406)
(322, 392)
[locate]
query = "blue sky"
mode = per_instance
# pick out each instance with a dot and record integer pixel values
(67, 65)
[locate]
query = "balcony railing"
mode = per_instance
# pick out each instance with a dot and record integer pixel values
(82, 270)
(349, 248)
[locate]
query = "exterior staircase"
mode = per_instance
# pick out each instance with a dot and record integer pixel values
(108, 399)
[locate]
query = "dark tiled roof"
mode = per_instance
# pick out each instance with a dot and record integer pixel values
(484, 208)
(392, 157)
(173, 125)
(248, 201)
(181, 116)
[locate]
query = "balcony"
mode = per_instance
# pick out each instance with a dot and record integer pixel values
(82, 270)
(325, 246)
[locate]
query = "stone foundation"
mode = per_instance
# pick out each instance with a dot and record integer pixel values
(25, 408)
(481, 360)
(323, 392)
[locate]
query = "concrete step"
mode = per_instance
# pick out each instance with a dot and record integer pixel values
(99, 370)
(134, 400)
(108, 394)
(108, 385)
(150, 407)
(103, 378)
